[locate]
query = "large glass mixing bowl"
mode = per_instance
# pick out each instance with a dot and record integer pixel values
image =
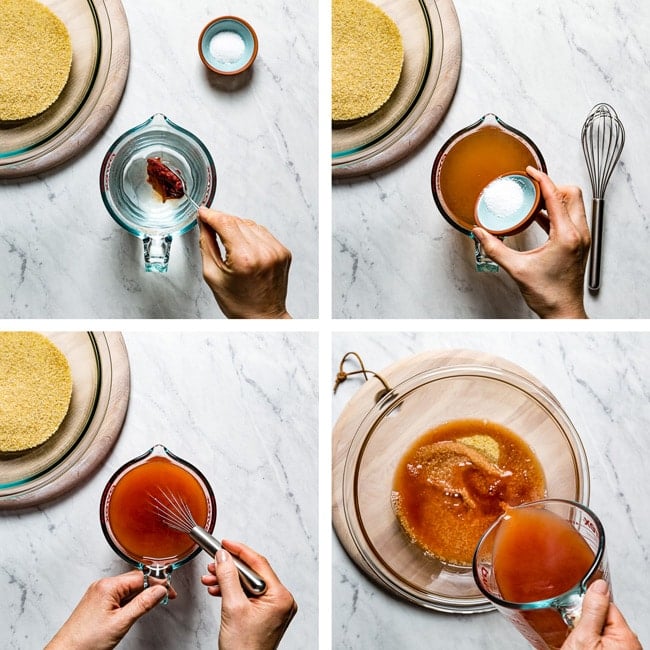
(423, 402)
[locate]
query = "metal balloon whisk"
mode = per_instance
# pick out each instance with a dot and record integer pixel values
(176, 514)
(603, 137)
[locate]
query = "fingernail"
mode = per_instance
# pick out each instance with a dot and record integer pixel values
(600, 587)
(222, 556)
(478, 233)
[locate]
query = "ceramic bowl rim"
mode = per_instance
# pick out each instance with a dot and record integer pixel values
(248, 63)
(522, 223)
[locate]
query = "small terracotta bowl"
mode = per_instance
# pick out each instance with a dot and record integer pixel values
(238, 41)
(488, 216)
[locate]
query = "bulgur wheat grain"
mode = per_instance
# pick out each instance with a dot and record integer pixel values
(35, 58)
(367, 56)
(35, 390)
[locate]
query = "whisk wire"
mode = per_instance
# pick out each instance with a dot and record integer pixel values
(173, 511)
(603, 137)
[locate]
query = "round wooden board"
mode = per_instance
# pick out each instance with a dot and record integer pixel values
(364, 399)
(101, 114)
(434, 110)
(112, 405)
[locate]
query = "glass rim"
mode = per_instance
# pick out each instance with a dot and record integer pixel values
(139, 230)
(579, 589)
(367, 428)
(156, 566)
(488, 119)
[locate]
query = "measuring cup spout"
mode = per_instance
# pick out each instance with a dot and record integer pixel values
(156, 252)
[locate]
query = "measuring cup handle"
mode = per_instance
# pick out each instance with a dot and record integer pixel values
(156, 252)
(483, 263)
(159, 573)
(571, 610)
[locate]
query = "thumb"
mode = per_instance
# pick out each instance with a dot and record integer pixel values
(232, 593)
(494, 248)
(145, 601)
(594, 609)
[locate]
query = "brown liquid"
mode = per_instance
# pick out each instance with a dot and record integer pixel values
(538, 555)
(472, 162)
(134, 522)
(446, 508)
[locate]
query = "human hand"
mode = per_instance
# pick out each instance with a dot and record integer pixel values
(106, 612)
(601, 625)
(251, 280)
(550, 277)
(256, 623)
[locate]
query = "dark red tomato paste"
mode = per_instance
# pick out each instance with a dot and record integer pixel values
(164, 180)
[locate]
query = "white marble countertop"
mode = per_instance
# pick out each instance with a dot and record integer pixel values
(64, 256)
(540, 66)
(243, 409)
(601, 380)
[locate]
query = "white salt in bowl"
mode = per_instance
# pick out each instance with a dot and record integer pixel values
(228, 45)
(508, 204)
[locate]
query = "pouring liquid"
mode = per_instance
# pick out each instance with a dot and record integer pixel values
(539, 555)
(134, 522)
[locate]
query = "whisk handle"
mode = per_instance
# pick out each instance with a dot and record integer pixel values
(251, 581)
(597, 209)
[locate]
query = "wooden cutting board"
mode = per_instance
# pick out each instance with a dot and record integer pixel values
(363, 401)
(102, 430)
(107, 102)
(435, 107)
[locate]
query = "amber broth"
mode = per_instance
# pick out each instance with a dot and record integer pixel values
(475, 160)
(135, 524)
(539, 555)
(444, 524)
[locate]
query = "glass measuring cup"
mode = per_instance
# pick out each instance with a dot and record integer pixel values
(545, 623)
(468, 162)
(131, 524)
(131, 200)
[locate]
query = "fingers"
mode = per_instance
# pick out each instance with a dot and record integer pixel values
(227, 577)
(210, 580)
(230, 229)
(131, 581)
(254, 560)
(549, 190)
(142, 603)
(496, 250)
(243, 239)
(595, 607)
(555, 202)
(564, 205)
